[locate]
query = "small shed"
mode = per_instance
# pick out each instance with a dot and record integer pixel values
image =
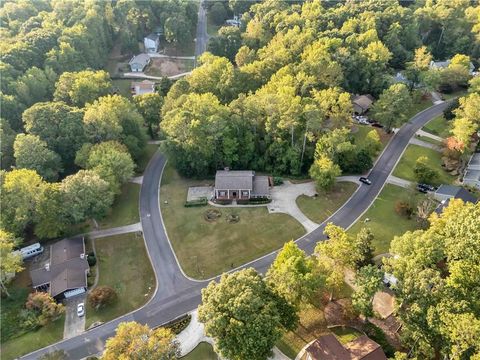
(139, 62)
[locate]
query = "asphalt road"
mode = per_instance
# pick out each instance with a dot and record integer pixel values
(202, 36)
(176, 294)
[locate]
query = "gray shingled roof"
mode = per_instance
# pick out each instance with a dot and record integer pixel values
(474, 160)
(234, 180)
(67, 269)
(260, 186)
(456, 192)
(142, 59)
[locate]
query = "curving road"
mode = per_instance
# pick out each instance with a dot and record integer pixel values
(176, 294)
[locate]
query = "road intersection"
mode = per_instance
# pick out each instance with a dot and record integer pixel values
(177, 294)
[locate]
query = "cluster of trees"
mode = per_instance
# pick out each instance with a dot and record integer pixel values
(438, 290)
(134, 19)
(296, 66)
(102, 139)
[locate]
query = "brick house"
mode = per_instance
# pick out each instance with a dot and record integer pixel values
(240, 185)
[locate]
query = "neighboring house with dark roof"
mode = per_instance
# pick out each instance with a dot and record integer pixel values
(240, 185)
(447, 192)
(361, 103)
(438, 65)
(151, 42)
(328, 347)
(65, 274)
(139, 62)
(143, 87)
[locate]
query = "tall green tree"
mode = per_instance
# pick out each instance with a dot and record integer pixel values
(423, 172)
(8, 138)
(80, 88)
(244, 316)
(149, 106)
(437, 271)
(368, 281)
(226, 43)
(115, 118)
(10, 262)
(324, 171)
(391, 108)
(112, 162)
(87, 196)
(51, 217)
(60, 126)
(363, 243)
(20, 189)
(32, 153)
(293, 275)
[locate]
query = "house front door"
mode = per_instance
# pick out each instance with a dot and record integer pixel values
(234, 194)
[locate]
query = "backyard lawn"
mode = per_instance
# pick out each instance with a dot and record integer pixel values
(203, 351)
(123, 86)
(345, 334)
(206, 249)
(419, 106)
(404, 169)
(311, 326)
(438, 126)
(429, 140)
(11, 310)
(125, 208)
(384, 222)
(123, 264)
(319, 208)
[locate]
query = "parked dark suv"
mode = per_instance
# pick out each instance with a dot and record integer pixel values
(365, 180)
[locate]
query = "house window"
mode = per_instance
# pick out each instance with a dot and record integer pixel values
(223, 193)
(245, 193)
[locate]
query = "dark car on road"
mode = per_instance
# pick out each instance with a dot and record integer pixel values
(365, 180)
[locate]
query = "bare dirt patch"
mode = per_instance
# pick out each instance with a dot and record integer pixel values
(168, 67)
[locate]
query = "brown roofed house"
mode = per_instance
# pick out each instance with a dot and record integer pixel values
(361, 103)
(66, 272)
(240, 185)
(328, 347)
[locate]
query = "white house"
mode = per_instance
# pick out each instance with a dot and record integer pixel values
(139, 62)
(438, 65)
(143, 87)
(151, 42)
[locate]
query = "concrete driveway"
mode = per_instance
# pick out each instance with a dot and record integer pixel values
(74, 325)
(283, 201)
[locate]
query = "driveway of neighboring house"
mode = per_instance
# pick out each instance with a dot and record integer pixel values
(74, 325)
(284, 201)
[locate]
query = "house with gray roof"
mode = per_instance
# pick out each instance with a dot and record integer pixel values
(240, 185)
(139, 62)
(65, 273)
(361, 103)
(439, 65)
(447, 192)
(471, 176)
(151, 42)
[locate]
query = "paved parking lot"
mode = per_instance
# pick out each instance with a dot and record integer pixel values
(74, 325)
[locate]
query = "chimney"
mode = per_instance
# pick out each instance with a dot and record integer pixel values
(47, 266)
(226, 168)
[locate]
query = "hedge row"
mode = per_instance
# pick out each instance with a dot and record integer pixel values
(194, 203)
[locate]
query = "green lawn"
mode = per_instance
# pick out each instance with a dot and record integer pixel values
(360, 135)
(438, 126)
(345, 334)
(384, 222)
(150, 150)
(125, 208)
(458, 93)
(404, 169)
(429, 140)
(203, 351)
(419, 106)
(124, 265)
(319, 208)
(312, 325)
(10, 317)
(206, 249)
(124, 87)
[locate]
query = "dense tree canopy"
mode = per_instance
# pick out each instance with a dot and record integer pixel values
(437, 271)
(244, 316)
(135, 341)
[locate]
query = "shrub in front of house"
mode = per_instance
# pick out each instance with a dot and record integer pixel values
(102, 296)
(277, 180)
(196, 203)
